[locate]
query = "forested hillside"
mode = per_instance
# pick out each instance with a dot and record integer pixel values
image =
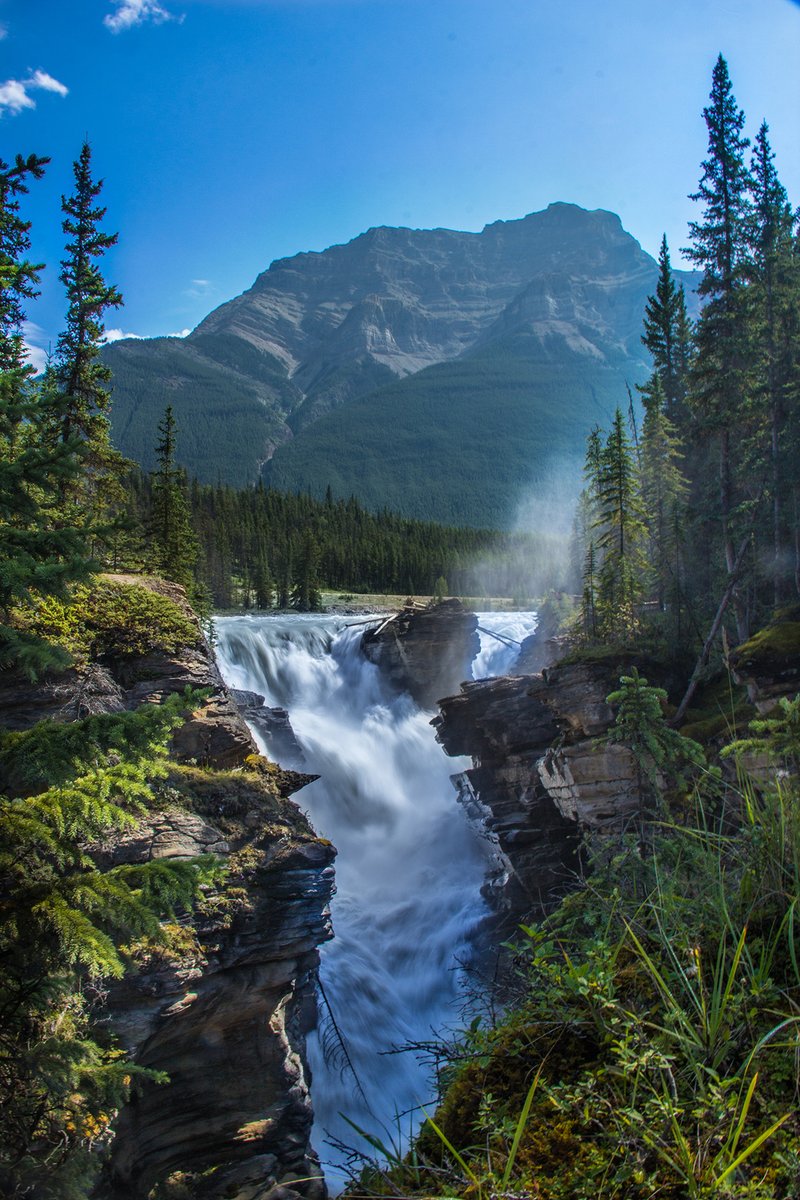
(470, 361)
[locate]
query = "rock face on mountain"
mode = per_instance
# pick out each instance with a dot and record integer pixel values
(425, 652)
(523, 316)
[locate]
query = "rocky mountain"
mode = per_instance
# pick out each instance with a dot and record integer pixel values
(431, 371)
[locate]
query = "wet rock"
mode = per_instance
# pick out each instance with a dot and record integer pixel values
(274, 728)
(426, 652)
(506, 730)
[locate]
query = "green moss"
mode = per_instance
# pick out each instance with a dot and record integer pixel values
(721, 709)
(110, 618)
(774, 647)
(226, 797)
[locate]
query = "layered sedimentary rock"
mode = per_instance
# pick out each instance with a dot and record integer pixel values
(223, 1008)
(541, 775)
(505, 731)
(273, 725)
(425, 652)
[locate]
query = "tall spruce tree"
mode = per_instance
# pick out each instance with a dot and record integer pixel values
(774, 316)
(83, 378)
(719, 246)
(667, 334)
(173, 540)
(40, 551)
(620, 536)
(664, 489)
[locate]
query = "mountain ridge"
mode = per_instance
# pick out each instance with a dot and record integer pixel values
(279, 381)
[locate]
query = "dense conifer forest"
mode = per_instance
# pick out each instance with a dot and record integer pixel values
(261, 548)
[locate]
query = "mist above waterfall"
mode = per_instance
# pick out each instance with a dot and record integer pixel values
(409, 870)
(545, 511)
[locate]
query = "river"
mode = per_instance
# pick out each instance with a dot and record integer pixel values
(408, 873)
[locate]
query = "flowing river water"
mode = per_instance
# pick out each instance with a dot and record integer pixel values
(408, 873)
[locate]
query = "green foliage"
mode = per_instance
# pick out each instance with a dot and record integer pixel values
(173, 543)
(776, 735)
(497, 420)
(108, 617)
(41, 547)
(63, 918)
(82, 377)
(661, 753)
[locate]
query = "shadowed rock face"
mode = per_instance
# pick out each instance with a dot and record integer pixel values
(540, 779)
(425, 652)
(226, 1019)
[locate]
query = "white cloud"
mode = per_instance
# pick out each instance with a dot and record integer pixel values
(40, 79)
(32, 338)
(199, 289)
(14, 93)
(3, 32)
(129, 13)
(117, 335)
(36, 356)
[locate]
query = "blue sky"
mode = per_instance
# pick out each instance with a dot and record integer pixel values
(233, 132)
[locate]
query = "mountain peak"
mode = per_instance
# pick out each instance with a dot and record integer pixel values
(530, 323)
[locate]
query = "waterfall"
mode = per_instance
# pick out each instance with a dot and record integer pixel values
(409, 870)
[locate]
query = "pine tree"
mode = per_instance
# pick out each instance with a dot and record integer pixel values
(82, 377)
(719, 245)
(774, 314)
(40, 551)
(664, 490)
(173, 540)
(667, 333)
(620, 535)
(305, 593)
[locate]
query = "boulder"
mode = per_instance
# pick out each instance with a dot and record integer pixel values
(426, 652)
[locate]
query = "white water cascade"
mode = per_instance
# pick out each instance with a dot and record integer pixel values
(409, 868)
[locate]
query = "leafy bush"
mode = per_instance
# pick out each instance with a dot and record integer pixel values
(109, 618)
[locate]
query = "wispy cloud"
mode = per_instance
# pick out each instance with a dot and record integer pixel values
(33, 339)
(128, 13)
(199, 289)
(3, 32)
(15, 93)
(117, 335)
